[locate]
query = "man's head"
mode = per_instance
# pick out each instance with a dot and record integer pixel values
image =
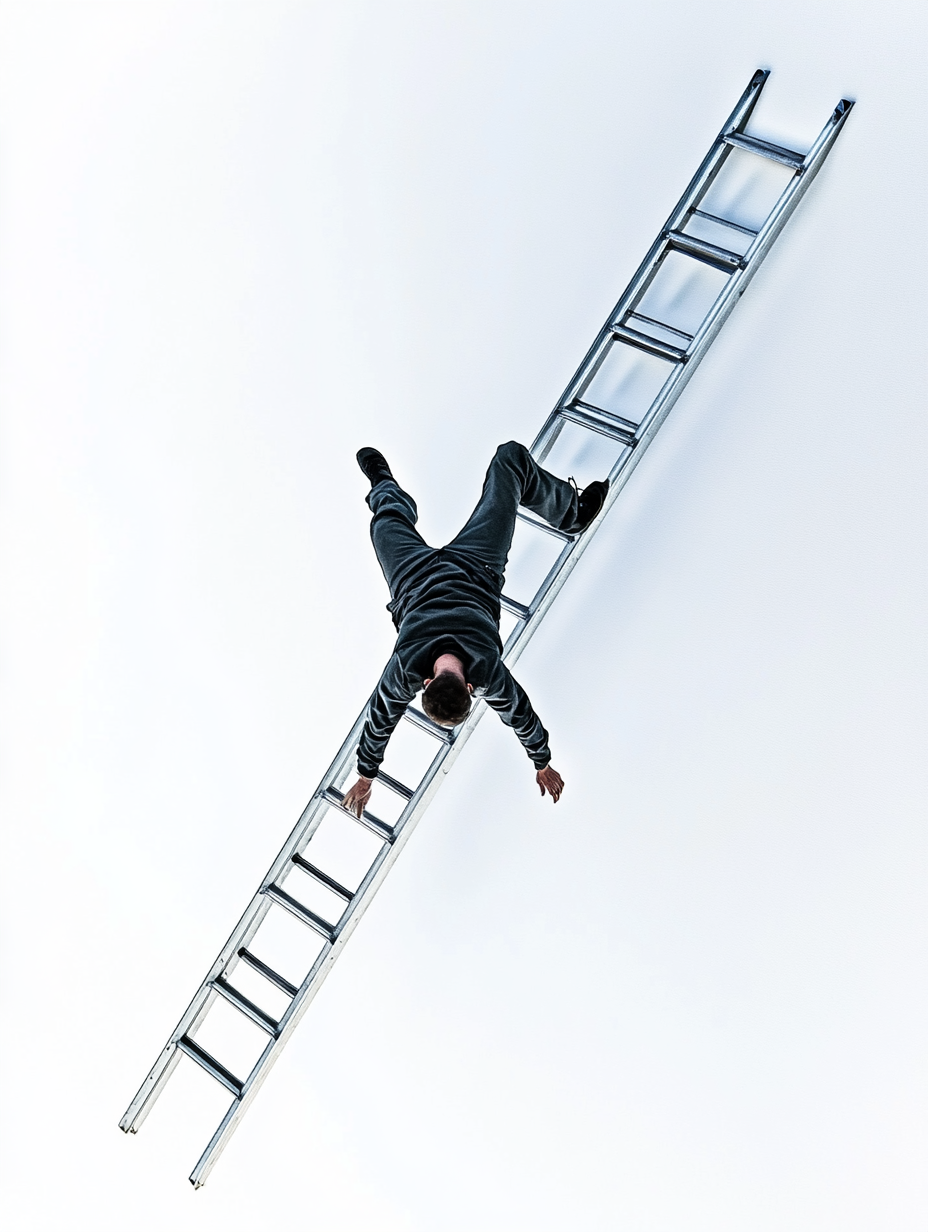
(446, 699)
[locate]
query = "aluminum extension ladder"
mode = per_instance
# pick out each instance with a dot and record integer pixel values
(737, 260)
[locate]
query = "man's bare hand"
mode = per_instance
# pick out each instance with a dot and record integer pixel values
(356, 799)
(551, 782)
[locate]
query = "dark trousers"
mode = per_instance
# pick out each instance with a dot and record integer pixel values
(514, 478)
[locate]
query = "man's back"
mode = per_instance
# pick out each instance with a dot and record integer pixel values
(450, 597)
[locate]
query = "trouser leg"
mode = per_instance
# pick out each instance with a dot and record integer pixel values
(399, 546)
(514, 478)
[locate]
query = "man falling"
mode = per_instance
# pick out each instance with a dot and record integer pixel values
(445, 605)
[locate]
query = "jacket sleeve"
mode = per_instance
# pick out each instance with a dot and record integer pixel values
(391, 697)
(510, 701)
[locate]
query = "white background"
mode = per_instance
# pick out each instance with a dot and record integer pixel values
(238, 241)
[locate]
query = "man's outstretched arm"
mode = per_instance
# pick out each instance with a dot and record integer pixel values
(391, 697)
(510, 701)
(387, 706)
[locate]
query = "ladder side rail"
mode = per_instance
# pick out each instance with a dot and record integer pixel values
(646, 273)
(776, 220)
(695, 191)
(633, 294)
(192, 1017)
(691, 199)
(630, 298)
(241, 935)
(681, 374)
(147, 1094)
(738, 281)
(654, 418)
(676, 381)
(650, 424)
(797, 187)
(546, 439)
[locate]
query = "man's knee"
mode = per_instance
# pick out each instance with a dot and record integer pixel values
(389, 524)
(511, 454)
(388, 500)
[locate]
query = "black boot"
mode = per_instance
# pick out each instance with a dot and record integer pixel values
(590, 502)
(374, 465)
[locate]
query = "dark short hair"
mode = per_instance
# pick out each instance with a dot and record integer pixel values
(447, 700)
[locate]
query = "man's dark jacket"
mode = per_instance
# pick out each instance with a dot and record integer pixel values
(449, 605)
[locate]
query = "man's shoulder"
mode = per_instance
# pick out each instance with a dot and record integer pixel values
(399, 675)
(498, 675)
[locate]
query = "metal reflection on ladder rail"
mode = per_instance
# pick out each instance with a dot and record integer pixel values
(626, 327)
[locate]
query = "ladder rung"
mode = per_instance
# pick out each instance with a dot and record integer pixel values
(549, 530)
(303, 914)
(322, 878)
(399, 789)
(671, 329)
(766, 149)
(513, 606)
(211, 1065)
(711, 254)
(600, 421)
(368, 820)
(268, 972)
(624, 425)
(724, 222)
(424, 723)
(248, 1008)
(644, 342)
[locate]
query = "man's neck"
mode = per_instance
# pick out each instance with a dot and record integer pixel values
(449, 663)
